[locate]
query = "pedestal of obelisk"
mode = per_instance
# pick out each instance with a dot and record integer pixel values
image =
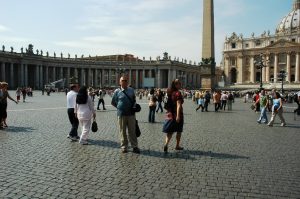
(208, 46)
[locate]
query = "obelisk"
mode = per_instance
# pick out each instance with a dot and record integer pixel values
(208, 43)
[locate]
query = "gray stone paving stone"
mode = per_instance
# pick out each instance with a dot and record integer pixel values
(227, 155)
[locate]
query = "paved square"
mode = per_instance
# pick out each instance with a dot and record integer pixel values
(227, 155)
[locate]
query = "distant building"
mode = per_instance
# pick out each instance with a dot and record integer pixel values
(281, 49)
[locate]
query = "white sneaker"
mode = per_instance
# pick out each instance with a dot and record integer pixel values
(83, 142)
(283, 124)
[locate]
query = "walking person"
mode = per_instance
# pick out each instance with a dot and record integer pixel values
(152, 106)
(277, 109)
(124, 99)
(200, 103)
(3, 104)
(84, 111)
(206, 100)
(101, 100)
(18, 94)
(24, 93)
(217, 100)
(159, 97)
(71, 102)
(175, 113)
(224, 98)
(230, 101)
(263, 101)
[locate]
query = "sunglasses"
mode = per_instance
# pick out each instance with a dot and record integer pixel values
(124, 80)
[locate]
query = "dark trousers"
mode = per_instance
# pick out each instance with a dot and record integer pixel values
(151, 116)
(159, 107)
(206, 105)
(217, 106)
(103, 104)
(74, 122)
(223, 104)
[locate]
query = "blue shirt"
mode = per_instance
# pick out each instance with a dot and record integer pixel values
(276, 104)
(121, 101)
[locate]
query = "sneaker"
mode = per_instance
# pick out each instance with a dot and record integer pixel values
(104, 109)
(270, 125)
(258, 121)
(72, 138)
(83, 142)
(166, 148)
(98, 108)
(124, 150)
(283, 124)
(136, 150)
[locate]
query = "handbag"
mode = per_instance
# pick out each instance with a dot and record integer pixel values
(94, 126)
(137, 129)
(135, 107)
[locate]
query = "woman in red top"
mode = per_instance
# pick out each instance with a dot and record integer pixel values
(174, 123)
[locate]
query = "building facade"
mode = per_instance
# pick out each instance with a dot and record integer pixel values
(280, 52)
(36, 70)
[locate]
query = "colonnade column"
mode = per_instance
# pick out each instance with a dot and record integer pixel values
(158, 78)
(46, 75)
(26, 74)
(136, 78)
(297, 70)
(37, 77)
(76, 75)
(169, 76)
(252, 70)
(102, 80)
(275, 67)
(82, 82)
(109, 77)
(95, 78)
(267, 64)
(2, 71)
(130, 77)
(288, 67)
(68, 76)
(41, 77)
(11, 77)
(143, 78)
(53, 74)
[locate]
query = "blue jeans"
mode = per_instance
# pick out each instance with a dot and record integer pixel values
(159, 107)
(263, 115)
(151, 117)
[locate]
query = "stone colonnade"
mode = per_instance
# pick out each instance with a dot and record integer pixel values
(36, 75)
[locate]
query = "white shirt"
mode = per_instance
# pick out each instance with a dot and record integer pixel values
(71, 99)
(85, 111)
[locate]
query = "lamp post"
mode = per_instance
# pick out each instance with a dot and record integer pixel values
(259, 63)
(282, 75)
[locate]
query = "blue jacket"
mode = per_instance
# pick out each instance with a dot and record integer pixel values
(121, 101)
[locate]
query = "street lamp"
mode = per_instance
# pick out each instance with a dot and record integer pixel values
(259, 61)
(282, 75)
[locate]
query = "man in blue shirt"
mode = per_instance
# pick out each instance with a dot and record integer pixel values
(123, 99)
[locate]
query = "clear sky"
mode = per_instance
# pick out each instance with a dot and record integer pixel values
(143, 28)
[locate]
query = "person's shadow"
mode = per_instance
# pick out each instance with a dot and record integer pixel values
(19, 129)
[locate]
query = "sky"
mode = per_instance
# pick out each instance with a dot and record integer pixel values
(144, 28)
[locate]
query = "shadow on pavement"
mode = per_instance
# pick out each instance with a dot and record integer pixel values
(105, 143)
(216, 155)
(18, 129)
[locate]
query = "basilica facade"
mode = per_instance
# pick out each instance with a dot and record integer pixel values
(279, 52)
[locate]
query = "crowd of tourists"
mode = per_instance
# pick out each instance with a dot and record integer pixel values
(81, 110)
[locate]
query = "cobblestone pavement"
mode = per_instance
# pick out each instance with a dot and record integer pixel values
(227, 155)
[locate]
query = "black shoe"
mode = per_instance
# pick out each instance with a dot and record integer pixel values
(166, 148)
(72, 138)
(104, 108)
(136, 150)
(179, 148)
(98, 108)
